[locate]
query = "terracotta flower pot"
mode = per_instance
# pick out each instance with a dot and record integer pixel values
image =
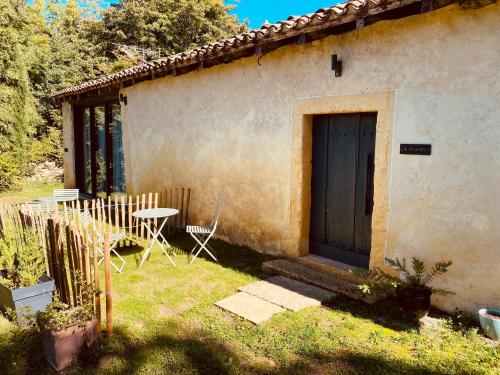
(29, 299)
(62, 348)
(416, 303)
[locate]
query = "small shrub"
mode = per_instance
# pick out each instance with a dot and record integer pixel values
(414, 280)
(22, 260)
(59, 316)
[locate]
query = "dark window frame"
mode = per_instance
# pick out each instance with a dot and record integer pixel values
(78, 113)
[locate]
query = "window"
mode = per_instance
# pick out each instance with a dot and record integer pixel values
(100, 167)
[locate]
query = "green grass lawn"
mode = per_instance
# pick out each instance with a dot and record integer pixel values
(165, 322)
(30, 190)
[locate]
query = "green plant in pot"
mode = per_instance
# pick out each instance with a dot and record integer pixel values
(66, 331)
(24, 285)
(413, 289)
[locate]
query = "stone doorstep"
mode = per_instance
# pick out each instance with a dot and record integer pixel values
(290, 294)
(252, 308)
(342, 270)
(301, 272)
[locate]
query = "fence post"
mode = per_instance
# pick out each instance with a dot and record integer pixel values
(71, 264)
(107, 276)
(97, 283)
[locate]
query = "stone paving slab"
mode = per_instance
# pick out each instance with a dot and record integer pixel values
(288, 293)
(250, 307)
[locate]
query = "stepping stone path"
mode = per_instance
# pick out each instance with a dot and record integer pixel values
(250, 307)
(259, 301)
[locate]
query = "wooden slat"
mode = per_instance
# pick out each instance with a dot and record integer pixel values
(107, 276)
(71, 266)
(109, 227)
(138, 207)
(143, 206)
(66, 217)
(186, 216)
(130, 210)
(52, 251)
(123, 209)
(150, 205)
(97, 284)
(61, 264)
(117, 214)
(156, 206)
(181, 210)
(86, 271)
(76, 267)
(169, 222)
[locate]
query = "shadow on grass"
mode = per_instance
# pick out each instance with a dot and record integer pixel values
(385, 312)
(198, 352)
(21, 353)
(241, 259)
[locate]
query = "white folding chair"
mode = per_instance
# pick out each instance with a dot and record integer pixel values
(87, 220)
(72, 193)
(203, 234)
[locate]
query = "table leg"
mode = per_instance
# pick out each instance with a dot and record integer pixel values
(155, 239)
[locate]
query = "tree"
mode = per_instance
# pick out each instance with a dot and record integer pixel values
(169, 26)
(18, 106)
(53, 44)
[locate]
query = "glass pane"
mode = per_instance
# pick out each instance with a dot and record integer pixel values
(87, 171)
(101, 151)
(117, 139)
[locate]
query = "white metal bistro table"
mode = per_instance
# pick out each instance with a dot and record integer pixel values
(56, 199)
(156, 213)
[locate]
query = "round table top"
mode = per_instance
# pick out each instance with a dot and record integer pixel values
(56, 199)
(155, 213)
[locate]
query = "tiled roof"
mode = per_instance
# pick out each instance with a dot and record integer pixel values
(321, 19)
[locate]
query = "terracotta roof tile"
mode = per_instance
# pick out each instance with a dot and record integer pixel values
(324, 17)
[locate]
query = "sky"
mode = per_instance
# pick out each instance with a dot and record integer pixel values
(259, 11)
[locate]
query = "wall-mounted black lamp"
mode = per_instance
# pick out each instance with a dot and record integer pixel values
(123, 99)
(336, 66)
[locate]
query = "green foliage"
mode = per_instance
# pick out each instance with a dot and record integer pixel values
(53, 44)
(59, 316)
(48, 147)
(22, 261)
(170, 26)
(18, 106)
(412, 279)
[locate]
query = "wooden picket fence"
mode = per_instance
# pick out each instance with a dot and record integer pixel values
(74, 265)
(114, 214)
(70, 259)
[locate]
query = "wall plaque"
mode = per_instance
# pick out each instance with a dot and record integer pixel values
(415, 149)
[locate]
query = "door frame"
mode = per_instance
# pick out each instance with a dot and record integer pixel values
(303, 111)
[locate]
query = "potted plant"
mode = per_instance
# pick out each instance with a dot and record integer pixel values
(24, 286)
(490, 322)
(412, 289)
(66, 332)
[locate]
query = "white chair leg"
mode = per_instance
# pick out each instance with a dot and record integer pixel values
(113, 250)
(202, 244)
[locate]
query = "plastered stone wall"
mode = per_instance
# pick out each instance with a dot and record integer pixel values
(68, 144)
(228, 130)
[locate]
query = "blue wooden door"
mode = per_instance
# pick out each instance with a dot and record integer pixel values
(342, 187)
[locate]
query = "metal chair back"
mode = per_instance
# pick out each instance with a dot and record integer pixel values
(73, 193)
(215, 219)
